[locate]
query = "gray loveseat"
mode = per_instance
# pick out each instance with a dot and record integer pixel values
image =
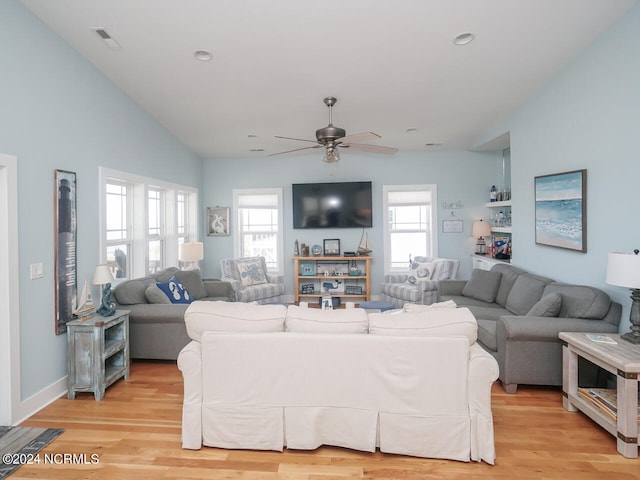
(156, 326)
(520, 316)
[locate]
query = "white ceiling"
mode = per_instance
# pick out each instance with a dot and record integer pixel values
(392, 65)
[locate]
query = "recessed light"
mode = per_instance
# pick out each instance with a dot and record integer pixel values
(251, 135)
(256, 149)
(464, 38)
(433, 144)
(203, 55)
(412, 130)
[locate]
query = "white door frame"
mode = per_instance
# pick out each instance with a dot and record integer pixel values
(9, 279)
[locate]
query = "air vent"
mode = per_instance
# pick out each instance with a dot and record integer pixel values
(106, 37)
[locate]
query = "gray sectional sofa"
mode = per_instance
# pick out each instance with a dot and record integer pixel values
(156, 326)
(520, 315)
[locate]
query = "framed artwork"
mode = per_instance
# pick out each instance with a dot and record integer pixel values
(561, 210)
(452, 226)
(333, 269)
(218, 221)
(308, 268)
(353, 290)
(307, 288)
(331, 246)
(65, 249)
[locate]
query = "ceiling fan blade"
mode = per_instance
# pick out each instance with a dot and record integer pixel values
(360, 137)
(295, 150)
(360, 147)
(297, 139)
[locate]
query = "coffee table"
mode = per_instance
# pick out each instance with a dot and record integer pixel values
(623, 360)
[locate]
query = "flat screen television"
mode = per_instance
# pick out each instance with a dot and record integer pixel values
(332, 205)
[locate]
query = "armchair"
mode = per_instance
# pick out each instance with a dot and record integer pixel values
(397, 290)
(250, 280)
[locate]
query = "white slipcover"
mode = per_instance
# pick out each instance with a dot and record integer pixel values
(427, 396)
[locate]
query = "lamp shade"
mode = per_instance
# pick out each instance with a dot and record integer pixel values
(481, 229)
(191, 252)
(623, 270)
(102, 274)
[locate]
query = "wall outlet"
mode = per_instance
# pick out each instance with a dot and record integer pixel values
(37, 270)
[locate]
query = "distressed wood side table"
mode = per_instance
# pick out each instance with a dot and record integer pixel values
(97, 353)
(623, 360)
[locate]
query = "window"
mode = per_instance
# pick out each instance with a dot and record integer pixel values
(410, 226)
(118, 231)
(258, 220)
(143, 222)
(155, 252)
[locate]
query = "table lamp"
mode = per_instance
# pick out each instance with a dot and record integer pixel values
(481, 229)
(623, 270)
(102, 276)
(191, 253)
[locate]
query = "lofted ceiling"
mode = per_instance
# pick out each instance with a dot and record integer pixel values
(393, 66)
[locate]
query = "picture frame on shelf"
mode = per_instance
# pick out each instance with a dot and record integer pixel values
(561, 210)
(307, 288)
(331, 246)
(353, 290)
(308, 269)
(333, 269)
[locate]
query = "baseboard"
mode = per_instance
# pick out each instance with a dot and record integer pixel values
(41, 399)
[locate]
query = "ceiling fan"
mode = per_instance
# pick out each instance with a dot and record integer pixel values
(331, 138)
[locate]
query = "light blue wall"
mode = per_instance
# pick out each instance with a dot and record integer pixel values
(465, 177)
(58, 112)
(588, 116)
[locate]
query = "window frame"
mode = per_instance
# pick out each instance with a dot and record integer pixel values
(237, 225)
(431, 252)
(137, 219)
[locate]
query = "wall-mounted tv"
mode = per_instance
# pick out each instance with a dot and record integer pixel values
(332, 205)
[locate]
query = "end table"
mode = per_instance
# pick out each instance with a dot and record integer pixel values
(623, 360)
(97, 353)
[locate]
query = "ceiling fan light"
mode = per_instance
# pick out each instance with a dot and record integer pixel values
(331, 156)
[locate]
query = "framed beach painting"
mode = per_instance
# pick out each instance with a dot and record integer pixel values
(561, 210)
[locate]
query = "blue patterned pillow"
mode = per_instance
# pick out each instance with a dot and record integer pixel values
(251, 273)
(174, 290)
(419, 271)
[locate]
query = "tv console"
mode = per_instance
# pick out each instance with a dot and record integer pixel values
(347, 277)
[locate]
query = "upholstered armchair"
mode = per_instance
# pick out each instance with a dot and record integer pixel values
(250, 280)
(418, 285)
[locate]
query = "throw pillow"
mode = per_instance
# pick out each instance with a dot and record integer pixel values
(235, 317)
(251, 273)
(548, 306)
(415, 308)
(192, 281)
(435, 323)
(419, 271)
(175, 291)
(483, 285)
(314, 320)
(153, 294)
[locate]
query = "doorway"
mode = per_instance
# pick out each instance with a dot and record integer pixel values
(9, 315)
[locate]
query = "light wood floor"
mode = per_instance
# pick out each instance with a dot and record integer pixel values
(135, 432)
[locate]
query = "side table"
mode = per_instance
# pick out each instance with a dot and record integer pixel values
(623, 360)
(97, 353)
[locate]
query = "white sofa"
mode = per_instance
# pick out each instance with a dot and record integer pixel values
(267, 377)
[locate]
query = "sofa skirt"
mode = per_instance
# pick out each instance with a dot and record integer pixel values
(307, 428)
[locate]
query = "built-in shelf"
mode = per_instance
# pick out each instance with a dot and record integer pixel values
(504, 203)
(501, 229)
